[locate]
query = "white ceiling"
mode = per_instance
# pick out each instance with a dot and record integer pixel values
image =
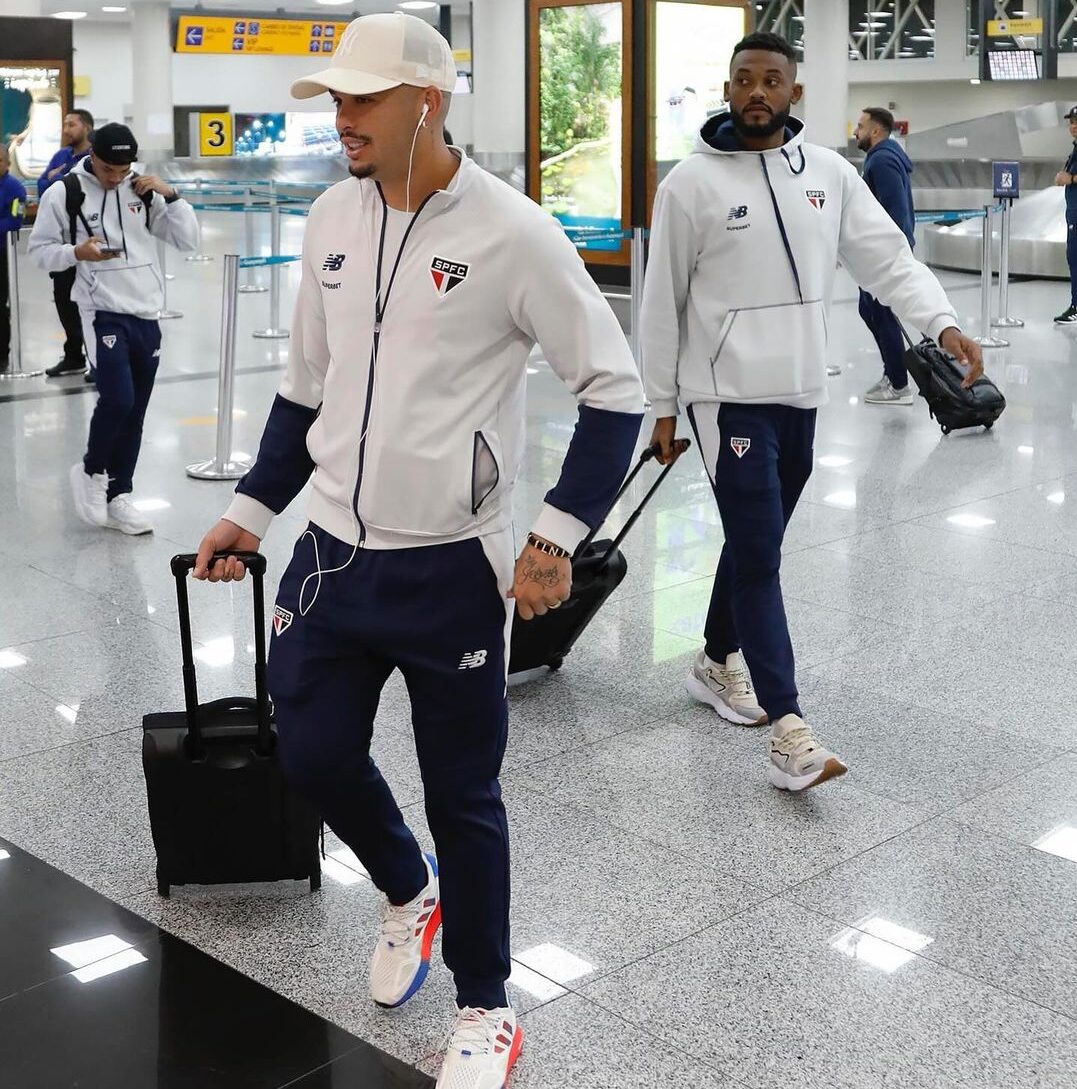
(296, 8)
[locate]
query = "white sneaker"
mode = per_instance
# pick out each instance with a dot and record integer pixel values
(91, 495)
(727, 688)
(482, 1049)
(402, 956)
(797, 760)
(122, 515)
(884, 393)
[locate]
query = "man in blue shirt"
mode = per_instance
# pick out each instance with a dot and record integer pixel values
(886, 172)
(78, 128)
(1067, 176)
(12, 200)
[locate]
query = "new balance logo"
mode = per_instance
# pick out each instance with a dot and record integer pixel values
(334, 262)
(474, 659)
(109, 341)
(738, 211)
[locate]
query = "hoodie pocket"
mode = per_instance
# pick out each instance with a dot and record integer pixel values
(433, 496)
(771, 352)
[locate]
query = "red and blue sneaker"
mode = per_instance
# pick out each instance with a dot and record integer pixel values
(483, 1048)
(402, 956)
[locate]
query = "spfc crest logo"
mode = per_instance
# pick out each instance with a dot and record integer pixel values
(134, 206)
(740, 446)
(816, 198)
(282, 620)
(447, 274)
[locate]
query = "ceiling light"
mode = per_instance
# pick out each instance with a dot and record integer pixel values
(80, 954)
(114, 11)
(974, 82)
(1062, 841)
(844, 500)
(217, 652)
(334, 3)
(970, 521)
(542, 988)
(108, 966)
(555, 963)
(69, 15)
(418, 5)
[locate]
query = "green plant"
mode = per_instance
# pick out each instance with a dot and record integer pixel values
(578, 75)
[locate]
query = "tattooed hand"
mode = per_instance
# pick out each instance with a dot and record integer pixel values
(541, 582)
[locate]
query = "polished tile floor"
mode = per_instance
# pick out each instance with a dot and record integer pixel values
(676, 920)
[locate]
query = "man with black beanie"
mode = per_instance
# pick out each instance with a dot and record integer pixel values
(118, 289)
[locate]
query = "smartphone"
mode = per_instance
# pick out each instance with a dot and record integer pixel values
(111, 253)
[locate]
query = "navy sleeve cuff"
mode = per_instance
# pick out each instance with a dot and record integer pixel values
(284, 464)
(596, 463)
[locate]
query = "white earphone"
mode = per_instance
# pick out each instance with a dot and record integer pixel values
(422, 116)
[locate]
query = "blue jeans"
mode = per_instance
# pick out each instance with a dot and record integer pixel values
(127, 356)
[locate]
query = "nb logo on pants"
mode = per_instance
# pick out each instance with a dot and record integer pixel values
(474, 659)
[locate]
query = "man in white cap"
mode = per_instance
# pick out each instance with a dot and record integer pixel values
(426, 282)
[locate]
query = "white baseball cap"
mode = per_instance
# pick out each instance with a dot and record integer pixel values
(380, 52)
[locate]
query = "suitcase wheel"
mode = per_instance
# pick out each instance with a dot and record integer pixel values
(556, 664)
(163, 887)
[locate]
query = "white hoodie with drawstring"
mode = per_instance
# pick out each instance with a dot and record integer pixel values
(744, 248)
(130, 283)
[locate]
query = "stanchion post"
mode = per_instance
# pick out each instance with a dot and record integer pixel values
(224, 465)
(636, 290)
(274, 331)
(1004, 321)
(252, 286)
(11, 256)
(162, 261)
(985, 339)
(199, 256)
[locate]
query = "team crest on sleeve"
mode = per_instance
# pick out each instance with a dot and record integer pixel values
(447, 274)
(816, 197)
(740, 446)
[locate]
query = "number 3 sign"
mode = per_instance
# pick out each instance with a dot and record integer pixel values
(215, 134)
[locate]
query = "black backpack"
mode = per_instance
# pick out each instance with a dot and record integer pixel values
(940, 381)
(75, 196)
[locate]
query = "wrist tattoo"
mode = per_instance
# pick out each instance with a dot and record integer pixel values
(545, 574)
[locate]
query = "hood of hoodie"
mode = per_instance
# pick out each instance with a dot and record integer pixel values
(718, 136)
(893, 150)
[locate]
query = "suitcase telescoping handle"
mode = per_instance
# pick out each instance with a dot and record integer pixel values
(644, 457)
(255, 563)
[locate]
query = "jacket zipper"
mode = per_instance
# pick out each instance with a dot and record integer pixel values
(380, 306)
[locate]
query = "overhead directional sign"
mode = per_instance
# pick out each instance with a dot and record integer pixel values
(1006, 28)
(260, 37)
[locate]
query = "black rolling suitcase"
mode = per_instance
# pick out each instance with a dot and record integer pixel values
(939, 380)
(220, 810)
(598, 568)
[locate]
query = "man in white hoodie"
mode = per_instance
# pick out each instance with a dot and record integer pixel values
(746, 236)
(103, 219)
(425, 283)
